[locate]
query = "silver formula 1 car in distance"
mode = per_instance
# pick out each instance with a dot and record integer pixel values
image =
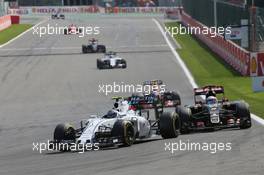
(122, 125)
(93, 47)
(110, 61)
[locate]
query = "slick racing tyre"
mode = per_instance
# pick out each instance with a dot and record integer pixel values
(169, 125)
(184, 115)
(124, 64)
(242, 111)
(64, 132)
(99, 64)
(79, 30)
(84, 49)
(66, 31)
(124, 130)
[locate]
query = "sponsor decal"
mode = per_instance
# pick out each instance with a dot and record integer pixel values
(258, 84)
(5, 22)
(253, 64)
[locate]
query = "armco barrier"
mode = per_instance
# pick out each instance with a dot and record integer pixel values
(55, 9)
(231, 53)
(140, 9)
(5, 22)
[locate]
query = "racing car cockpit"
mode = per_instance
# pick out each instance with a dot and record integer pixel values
(110, 54)
(111, 114)
(93, 41)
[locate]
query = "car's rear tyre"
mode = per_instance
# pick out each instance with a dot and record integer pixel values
(242, 111)
(66, 31)
(84, 49)
(125, 130)
(184, 115)
(124, 64)
(169, 125)
(99, 64)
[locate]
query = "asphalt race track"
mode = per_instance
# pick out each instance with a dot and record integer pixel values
(45, 81)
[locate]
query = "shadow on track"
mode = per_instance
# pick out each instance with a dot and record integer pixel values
(104, 148)
(79, 53)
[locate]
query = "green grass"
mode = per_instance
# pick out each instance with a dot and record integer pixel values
(208, 68)
(12, 32)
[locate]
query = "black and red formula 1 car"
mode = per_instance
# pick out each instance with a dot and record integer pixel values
(209, 113)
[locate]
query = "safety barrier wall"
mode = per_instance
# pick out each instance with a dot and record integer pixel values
(234, 55)
(139, 9)
(5, 22)
(55, 9)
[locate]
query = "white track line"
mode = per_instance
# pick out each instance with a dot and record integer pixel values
(20, 35)
(186, 70)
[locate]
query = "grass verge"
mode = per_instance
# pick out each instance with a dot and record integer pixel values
(208, 68)
(12, 32)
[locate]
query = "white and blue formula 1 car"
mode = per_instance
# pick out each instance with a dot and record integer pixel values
(111, 61)
(122, 125)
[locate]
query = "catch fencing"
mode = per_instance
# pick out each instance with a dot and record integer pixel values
(226, 13)
(260, 29)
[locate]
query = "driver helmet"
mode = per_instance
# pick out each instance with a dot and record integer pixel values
(211, 100)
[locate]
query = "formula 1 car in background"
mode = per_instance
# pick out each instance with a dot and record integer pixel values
(93, 47)
(110, 61)
(157, 97)
(72, 29)
(211, 113)
(122, 125)
(57, 16)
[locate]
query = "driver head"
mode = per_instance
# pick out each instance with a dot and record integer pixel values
(211, 100)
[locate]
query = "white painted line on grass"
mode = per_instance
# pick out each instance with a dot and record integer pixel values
(20, 35)
(186, 70)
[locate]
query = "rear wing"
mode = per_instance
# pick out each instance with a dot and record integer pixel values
(152, 82)
(204, 90)
(151, 102)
